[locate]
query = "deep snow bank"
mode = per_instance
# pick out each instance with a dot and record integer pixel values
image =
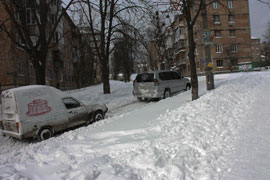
(164, 140)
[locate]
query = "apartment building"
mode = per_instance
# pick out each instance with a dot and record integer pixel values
(15, 69)
(15, 66)
(228, 34)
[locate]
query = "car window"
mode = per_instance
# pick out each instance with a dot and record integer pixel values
(162, 76)
(145, 77)
(167, 76)
(71, 103)
(176, 75)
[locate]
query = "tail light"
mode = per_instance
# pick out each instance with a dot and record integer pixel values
(156, 83)
(134, 82)
(18, 126)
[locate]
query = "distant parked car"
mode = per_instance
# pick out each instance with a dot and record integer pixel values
(159, 84)
(40, 111)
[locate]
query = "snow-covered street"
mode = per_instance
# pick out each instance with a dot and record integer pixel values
(225, 134)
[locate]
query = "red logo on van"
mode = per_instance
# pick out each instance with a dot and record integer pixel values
(38, 107)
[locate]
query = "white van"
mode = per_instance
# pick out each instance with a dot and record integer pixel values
(159, 84)
(40, 111)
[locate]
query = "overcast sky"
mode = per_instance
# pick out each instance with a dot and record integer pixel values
(259, 16)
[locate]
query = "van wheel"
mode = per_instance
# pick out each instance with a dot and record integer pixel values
(45, 133)
(187, 87)
(98, 116)
(142, 99)
(167, 93)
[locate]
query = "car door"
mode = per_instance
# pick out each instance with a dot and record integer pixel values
(179, 82)
(166, 79)
(77, 113)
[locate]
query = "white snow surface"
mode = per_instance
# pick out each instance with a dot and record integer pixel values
(225, 134)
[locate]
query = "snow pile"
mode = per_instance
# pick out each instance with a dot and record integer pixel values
(171, 139)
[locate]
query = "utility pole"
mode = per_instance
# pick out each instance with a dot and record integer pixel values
(207, 45)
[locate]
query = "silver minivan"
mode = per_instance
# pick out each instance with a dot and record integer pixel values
(159, 84)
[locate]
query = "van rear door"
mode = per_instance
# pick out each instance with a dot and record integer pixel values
(144, 84)
(9, 113)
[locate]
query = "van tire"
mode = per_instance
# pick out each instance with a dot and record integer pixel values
(187, 87)
(142, 99)
(98, 116)
(45, 133)
(167, 93)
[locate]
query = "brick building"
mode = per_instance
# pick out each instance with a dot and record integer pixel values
(229, 34)
(15, 66)
(15, 69)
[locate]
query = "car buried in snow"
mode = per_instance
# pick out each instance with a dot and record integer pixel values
(159, 84)
(40, 111)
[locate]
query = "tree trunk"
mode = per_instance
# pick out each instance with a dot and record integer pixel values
(40, 75)
(191, 56)
(105, 76)
(39, 62)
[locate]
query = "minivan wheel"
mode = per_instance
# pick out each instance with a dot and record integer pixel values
(98, 116)
(141, 99)
(187, 87)
(45, 133)
(167, 93)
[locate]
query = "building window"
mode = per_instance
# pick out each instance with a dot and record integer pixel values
(18, 40)
(218, 48)
(230, 4)
(17, 15)
(233, 48)
(49, 74)
(234, 62)
(216, 19)
(20, 69)
(181, 31)
(53, 18)
(232, 33)
(215, 4)
(30, 16)
(55, 37)
(32, 71)
(182, 43)
(217, 33)
(196, 52)
(54, 2)
(231, 19)
(219, 63)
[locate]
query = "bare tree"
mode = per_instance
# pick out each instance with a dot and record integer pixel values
(266, 43)
(104, 18)
(26, 15)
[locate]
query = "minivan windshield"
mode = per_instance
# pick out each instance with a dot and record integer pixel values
(145, 77)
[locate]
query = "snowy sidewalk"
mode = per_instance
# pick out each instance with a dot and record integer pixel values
(222, 135)
(252, 156)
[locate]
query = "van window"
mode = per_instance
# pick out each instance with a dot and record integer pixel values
(164, 76)
(71, 103)
(169, 75)
(176, 75)
(146, 77)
